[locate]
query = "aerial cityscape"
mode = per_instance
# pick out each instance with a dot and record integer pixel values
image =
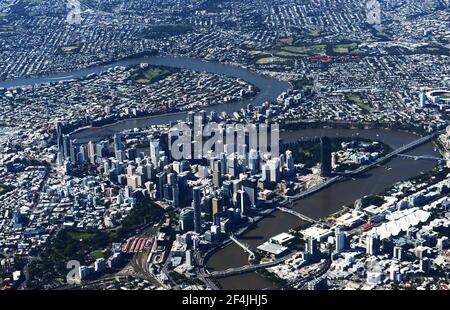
(224, 145)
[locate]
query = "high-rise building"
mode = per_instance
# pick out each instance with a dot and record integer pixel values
(232, 165)
(187, 219)
(373, 244)
(154, 151)
(425, 265)
(117, 142)
(66, 147)
(311, 247)
(274, 167)
(161, 179)
(189, 258)
(325, 156)
(217, 173)
(253, 161)
(216, 206)
(196, 200)
(242, 201)
(250, 188)
(223, 164)
(398, 253)
(340, 239)
(289, 162)
(265, 172)
(176, 196)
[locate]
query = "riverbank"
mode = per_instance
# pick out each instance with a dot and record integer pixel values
(326, 202)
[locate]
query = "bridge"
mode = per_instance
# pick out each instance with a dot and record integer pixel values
(299, 215)
(248, 268)
(423, 157)
(244, 246)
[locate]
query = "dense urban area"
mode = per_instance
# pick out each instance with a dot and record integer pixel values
(329, 161)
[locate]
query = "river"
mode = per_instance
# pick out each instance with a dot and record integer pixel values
(318, 205)
(325, 202)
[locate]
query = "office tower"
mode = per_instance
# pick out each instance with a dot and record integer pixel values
(373, 244)
(133, 181)
(311, 248)
(171, 179)
(164, 141)
(59, 135)
(66, 147)
(176, 166)
(250, 188)
(189, 258)
(223, 164)
(232, 166)
(132, 153)
(334, 160)
(112, 175)
(99, 265)
(340, 239)
(290, 162)
(265, 172)
(67, 167)
(154, 151)
(196, 200)
(140, 170)
(117, 142)
(282, 161)
(120, 156)
(216, 206)
(274, 167)
(217, 173)
(82, 154)
(176, 196)
(73, 149)
(130, 170)
(91, 148)
(253, 161)
(149, 171)
(187, 219)
(167, 192)
(242, 201)
(394, 274)
(227, 190)
(398, 253)
(425, 265)
(102, 150)
(161, 179)
(128, 191)
(325, 156)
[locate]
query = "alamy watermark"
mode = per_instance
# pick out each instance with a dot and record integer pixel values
(73, 276)
(211, 140)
